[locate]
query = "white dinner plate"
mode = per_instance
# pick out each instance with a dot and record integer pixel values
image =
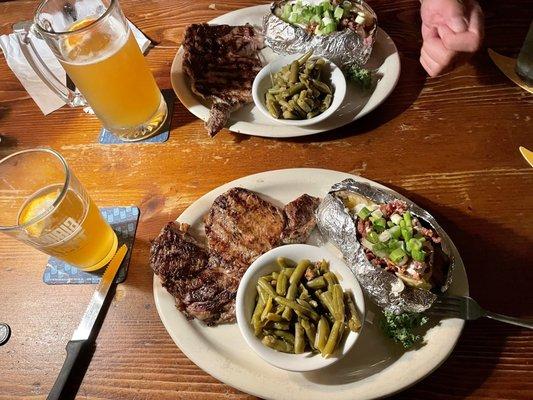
(375, 367)
(249, 119)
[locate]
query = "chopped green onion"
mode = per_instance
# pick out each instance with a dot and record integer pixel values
(418, 255)
(377, 213)
(338, 13)
(407, 234)
(373, 237)
(395, 218)
(364, 213)
(394, 244)
(329, 28)
(384, 236)
(395, 231)
(407, 218)
(415, 244)
(380, 250)
(379, 224)
(397, 255)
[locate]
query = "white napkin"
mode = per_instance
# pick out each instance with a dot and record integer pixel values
(44, 97)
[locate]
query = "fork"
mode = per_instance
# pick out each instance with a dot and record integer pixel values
(468, 309)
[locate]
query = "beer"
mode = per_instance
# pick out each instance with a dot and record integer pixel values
(107, 66)
(73, 230)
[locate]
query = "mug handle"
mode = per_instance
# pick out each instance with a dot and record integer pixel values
(23, 30)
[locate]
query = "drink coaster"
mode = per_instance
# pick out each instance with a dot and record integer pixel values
(107, 137)
(124, 221)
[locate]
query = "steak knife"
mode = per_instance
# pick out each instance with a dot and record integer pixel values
(81, 347)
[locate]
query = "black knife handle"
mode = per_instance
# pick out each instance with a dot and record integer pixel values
(79, 353)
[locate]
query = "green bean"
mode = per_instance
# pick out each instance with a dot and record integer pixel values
(289, 271)
(283, 326)
(265, 285)
(299, 339)
(287, 314)
(273, 317)
(266, 310)
(312, 114)
(286, 336)
(293, 77)
(303, 105)
(338, 302)
(305, 304)
(317, 283)
(275, 275)
(354, 324)
(304, 293)
(322, 334)
(281, 284)
(327, 101)
(273, 108)
(284, 262)
(310, 331)
(289, 115)
(262, 294)
(325, 299)
(329, 348)
(305, 57)
(277, 344)
(296, 88)
(330, 279)
(256, 316)
(324, 88)
(297, 307)
(299, 271)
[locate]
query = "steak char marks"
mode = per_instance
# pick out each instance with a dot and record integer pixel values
(240, 226)
(222, 62)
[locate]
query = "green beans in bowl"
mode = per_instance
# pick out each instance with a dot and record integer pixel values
(299, 89)
(299, 316)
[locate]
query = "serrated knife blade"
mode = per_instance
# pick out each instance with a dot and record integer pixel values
(81, 347)
(83, 331)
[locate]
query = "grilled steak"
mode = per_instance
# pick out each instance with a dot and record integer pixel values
(201, 285)
(300, 219)
(240, 226)
(221, 62)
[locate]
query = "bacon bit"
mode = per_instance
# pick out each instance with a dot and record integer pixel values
(429, 233)
(394, 206)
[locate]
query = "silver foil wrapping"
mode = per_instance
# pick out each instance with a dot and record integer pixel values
(342, 48)
(384, 288)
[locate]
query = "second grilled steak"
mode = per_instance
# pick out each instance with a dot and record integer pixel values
(221, 62)
(240, 226)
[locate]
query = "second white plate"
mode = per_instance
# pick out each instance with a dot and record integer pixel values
(249, 120)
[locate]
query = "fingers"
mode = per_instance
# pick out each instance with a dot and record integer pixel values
(469, 41)
(435, 50)
(450, 12)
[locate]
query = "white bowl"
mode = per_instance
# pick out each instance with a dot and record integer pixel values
(246, 295)
(262, 83)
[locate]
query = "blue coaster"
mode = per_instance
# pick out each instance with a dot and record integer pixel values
(107, 137)
(124, 221)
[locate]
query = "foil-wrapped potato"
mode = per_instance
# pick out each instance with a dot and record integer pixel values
(399, 253)
(341, 31)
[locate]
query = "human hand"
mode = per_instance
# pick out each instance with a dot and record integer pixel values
(452, 31)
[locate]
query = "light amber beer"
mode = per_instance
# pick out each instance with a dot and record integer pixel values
(108, 67)
(75, 231)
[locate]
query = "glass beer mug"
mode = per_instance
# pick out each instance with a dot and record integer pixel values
(93, 42)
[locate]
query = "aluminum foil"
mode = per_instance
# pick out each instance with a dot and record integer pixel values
(343, 47)
(384, 288)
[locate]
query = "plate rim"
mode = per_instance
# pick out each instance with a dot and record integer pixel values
(242, 127)
(256, 177)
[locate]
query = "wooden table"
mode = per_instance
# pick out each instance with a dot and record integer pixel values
(450, 144)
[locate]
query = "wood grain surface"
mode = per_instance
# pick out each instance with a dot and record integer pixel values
(449, 143)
